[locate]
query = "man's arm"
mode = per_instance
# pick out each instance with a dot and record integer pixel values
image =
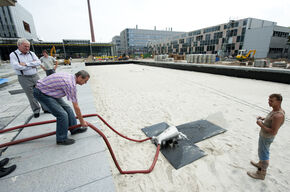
(79, 114)
(16, 65)
(277, 120)
(36, 62)
(55, 66)
(42, 67)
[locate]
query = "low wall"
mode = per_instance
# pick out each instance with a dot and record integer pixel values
(266, 74)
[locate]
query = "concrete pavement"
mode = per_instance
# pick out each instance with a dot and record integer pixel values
(41, 164)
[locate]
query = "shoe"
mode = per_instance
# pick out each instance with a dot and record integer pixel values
(78, 130)
(260, 174)
(258, 165)
(4, 162)
(6, 171)
(66, 142)
(46, 112)
(36, 115)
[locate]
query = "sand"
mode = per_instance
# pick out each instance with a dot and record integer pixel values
(131, 97)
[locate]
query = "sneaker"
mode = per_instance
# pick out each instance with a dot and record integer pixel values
(4, 162)
(78, 130)
(66, 142)
(36, 115)
(6, 171)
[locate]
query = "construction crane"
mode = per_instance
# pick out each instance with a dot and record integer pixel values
(52, 51)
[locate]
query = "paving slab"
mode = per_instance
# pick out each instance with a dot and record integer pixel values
(61, 176)
(44, 166)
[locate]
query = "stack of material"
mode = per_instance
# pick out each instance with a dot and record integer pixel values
(200, 58)
(162, 58)
(261, 63)
(280, 64)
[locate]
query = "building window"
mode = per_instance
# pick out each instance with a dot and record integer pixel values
(243, 31)
(280, 34)
(276, 50)
(210, 48)
(26, 27)
(245, 22)
(207, 37)
(199, 38)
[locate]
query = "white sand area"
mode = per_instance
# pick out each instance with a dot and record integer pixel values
(131, 97)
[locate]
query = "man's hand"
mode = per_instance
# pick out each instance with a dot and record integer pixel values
(259, 122)
(23, 64)
(84, 124)
(79, 115)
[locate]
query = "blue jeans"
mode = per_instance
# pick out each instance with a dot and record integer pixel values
(264, 147)
(63, 112)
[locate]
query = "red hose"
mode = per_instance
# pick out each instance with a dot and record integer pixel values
(38, 123)
(95, 129)
(120, 133)
(115, 160)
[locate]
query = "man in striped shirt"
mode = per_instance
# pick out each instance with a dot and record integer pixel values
(50, 90)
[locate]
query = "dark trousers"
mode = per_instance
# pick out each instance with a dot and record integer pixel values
(62, 111)
(27, 83)
(49, 72)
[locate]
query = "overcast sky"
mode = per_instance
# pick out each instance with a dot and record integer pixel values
(68, 19)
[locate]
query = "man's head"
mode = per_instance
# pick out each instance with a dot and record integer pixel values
(23, 45)
(82, 77)
(275, 100)
(44, 53)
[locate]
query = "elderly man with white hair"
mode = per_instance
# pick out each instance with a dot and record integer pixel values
(25, 63)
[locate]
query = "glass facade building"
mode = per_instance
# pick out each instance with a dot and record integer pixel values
(136, 41)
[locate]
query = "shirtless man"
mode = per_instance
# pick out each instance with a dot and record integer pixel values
(269, 128)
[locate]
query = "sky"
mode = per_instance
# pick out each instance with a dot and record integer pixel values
(68, 19)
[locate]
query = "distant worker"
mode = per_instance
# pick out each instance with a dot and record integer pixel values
(47, 63)
(269, 128)
(6, 170)
(25, 63)
(50, 91)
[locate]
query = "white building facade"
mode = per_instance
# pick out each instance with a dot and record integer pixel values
(266, 37)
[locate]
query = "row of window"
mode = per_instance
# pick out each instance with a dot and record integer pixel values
(212, 29)
(231, 24)
(280, 34)
(194, 33)
(217, 28)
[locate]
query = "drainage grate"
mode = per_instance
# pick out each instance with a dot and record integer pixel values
(17, 91)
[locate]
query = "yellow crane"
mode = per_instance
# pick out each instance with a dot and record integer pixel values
(52, 51)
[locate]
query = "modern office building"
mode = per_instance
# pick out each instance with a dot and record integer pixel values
(16, 22)
(67, 48)
(116, 41)
(266, 37)
(136, 41)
